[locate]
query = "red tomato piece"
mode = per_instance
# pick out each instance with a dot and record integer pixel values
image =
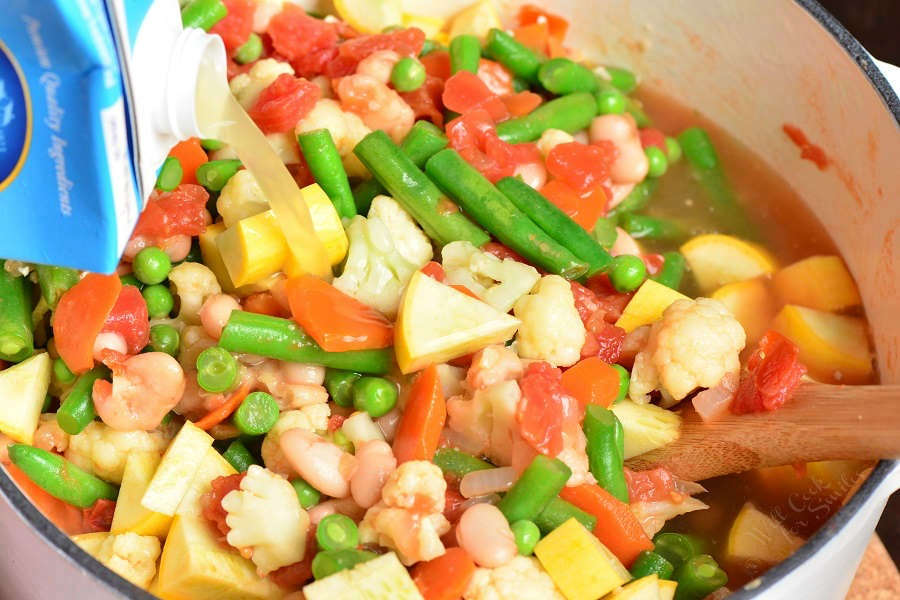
(495, 76)
(426, 100)
(611, 301)
(581, 166)
(473, 135)
(609, 340)
(405, 42)
(584, 209)
(264, 303)
(98, 516)
(453, 502)
(465, 92)
(237, 25)
(535, 36)
(652, 485)
(437, 64)
(294, 33)
(284, 102)
(654, 262)
(129, 318)
(335, 422)
(530, 14)
(542, 410)
(295, 575)
(653, 137)
(586, 301)
(502, 252)
(211, 501)
(773, 373)
(318, 62)
(181, 211)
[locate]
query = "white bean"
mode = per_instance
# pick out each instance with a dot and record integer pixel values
(631, 164)
(215, 312)
(298, 373)
(533, 173)
(376, 463)
(485, 534)
(109, 340)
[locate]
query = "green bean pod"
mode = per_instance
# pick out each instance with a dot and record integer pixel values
(636, 200)
(213, 175)
(54, 282)
(203, 14)
(325, 165)
(457, 463)
(558, 511)
(648, 563)
(653, 228)
(465, 52)
(563, 76)
(238, 456)
(570, 113)
(16, 336)
(698, 577)
(672, 271)
(606, 450)
(60, 478)
(539, 483)
(77, 408)
(512, 54)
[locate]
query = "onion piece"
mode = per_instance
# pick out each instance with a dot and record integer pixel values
(462, 442)
(359, 427)
(388, 424)
(713, 403)
(487, 481)
(488, 499)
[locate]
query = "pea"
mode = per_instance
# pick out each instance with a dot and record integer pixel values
(340, 386)
(164, 338)
(673, 150)
(257, 414)
(408, 75)
(152, 265)
(628, 272)
(657, 161)
(375, 395)
(307, 494)
(610, 102)
(527, 536)
(159, 300)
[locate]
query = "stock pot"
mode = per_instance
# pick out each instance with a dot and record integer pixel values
(750, 67)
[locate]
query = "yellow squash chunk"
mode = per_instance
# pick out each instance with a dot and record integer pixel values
(431, 26)
(756, 536)
(326, 222)
(751, 303)
(91, 542)
(130, 515)
(214, 465)
(23, 388)
(820, 282)
(580, 566)
(647, 305)
(437, 323)
(667, 589)
(717, 259)
(645, 588)
(212, 258)
(195, 566)
(253, 248)
(176, 470)
(369, 16)
(646, 426)
(834, 348)
(475, 20)
(381, 578)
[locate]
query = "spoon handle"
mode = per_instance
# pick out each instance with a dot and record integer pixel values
(820, 422)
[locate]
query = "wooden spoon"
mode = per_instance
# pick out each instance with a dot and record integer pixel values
(820, 422)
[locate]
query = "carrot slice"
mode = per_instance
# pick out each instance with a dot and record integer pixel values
(217, 415)
(191, 155)
(79, 317)
(445, 577)
(419, 430)
(617, 527)
(335, 320)
(592, 381)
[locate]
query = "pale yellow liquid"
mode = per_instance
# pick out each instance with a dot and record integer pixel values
(220, 116)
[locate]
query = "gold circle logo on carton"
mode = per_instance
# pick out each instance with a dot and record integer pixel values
(15, 118)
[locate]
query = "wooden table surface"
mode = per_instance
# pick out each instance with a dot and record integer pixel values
(877, 577)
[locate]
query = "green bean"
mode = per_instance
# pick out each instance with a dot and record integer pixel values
(520, 85)
(527, 535)
(257, 414)
(325, 165)
(238, 456)
(513, 55)
(672, 270)
(77, 409)
(676, 548)
(641, 226)
(456, 463)
(364, 193)
(636, 200)
(539, 483)
(283, 339)
(570, 113)
(673, 150)
(438, 216)
(556, 223)
(61, 372)
(624, 382)
(496, 213)
(636, 109)
(340, 386)
(465, 52)
(60, 478)
(211, 145)
(203, 14)
(329, 562)
(622, 79)
(604, 232)
(217, 370)
(213, 175)
(337, 532)
(170, 175)
(249, 50)
(563, 76)
(558, 511)
(606, 450)
(648, 563)
(54, 282)
(16, 327)
(698, 577)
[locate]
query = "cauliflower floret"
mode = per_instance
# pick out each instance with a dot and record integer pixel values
(193, 283)
(102, 450)
(385, 250)
(241, 198)
(346, 129)
(49, 435)
(551, 329)
(491, 365)
(694, 344)
(574, 454)
(409, 518)
(247, 87)
(266, 518)
(312, 418)
(265, 10)
(132, 556)
(551, 138)
(487, 420)
(499, 283)
(522, 578)
(653, 515)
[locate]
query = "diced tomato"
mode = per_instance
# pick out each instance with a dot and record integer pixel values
(592, 381)
(98, 516)
(295, 34)
(437, 64)
(584, 209)
(609, 339)
(237, 25)
(321, 61)
(652, 485)
(586, 301)
(530, 14)
(211, 501)
(295, 575)
(544, 408)
(130, 319)
(179, 212)
(445, 577)
(495, 76)
(453, 502)
(435, 271)
(521, 103)
(582, 166)
(604, 340)
(502, 252)
(653, 137)
(611, 301)
(654, 262)
(190, 155)
(335, 422)
(284, 102)
(465, 92)
(535, 36)
(773, 373)
(473, 135)
(426, 100)
(264, 303)
(405, 42)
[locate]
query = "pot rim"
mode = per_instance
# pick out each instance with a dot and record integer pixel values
(64, 546)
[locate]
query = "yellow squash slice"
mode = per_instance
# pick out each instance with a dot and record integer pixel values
(176, 470)
(23, 388)
(758, 537)
(370, 16)
(647, 305)
(820, 282)
(717, 259)
(130, 515)
(751, 303)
